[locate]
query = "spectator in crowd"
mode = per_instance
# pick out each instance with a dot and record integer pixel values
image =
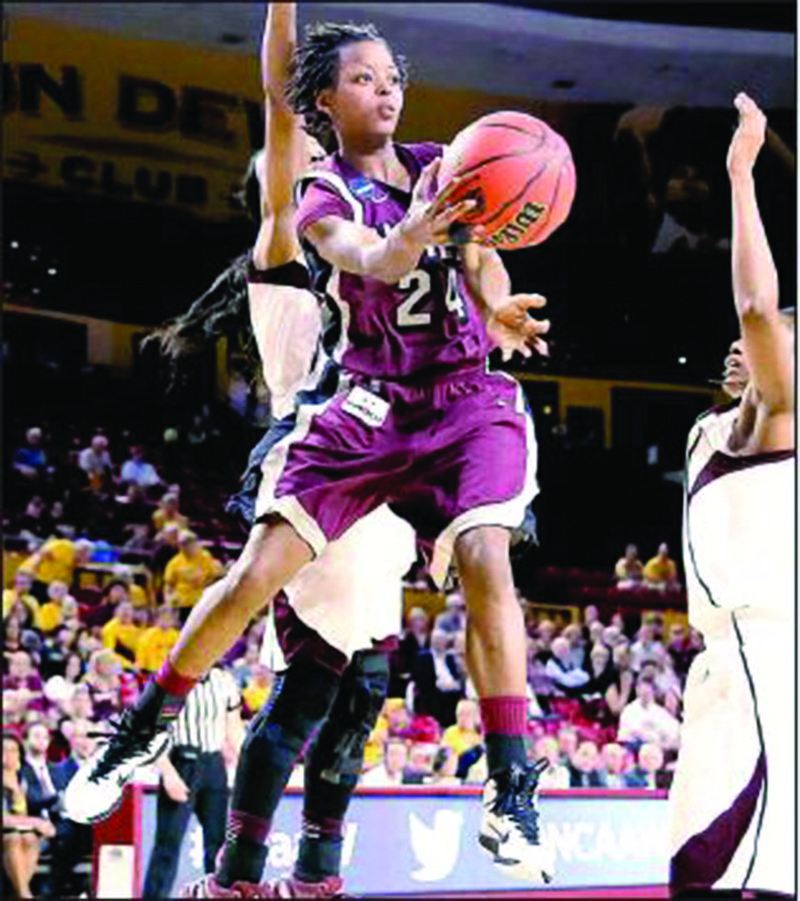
(20, 592)
(661, 572)
(621, 687)
(168, 513)
(103, 682)
(649, 770)
(682, 650)
(667, 684)
(415, 638)
(464, 734)
(646, 646)
(585, 768)
(454, 618)
(567, 737)
(188, 573)
(56, 561)
(556, 775)
(590, 615)
(73, 841)
(22, 833)
(437, 682)
(545, 633)
(445, 765)
(12, 639)
(60, 688)
(133, 517)
(615, 760)
(137, 471)
(121, 634)
(166, 548)
(35, 523)
(95, 461)
(55, 652)
(540, 684)
(137, 595)
(420, 763)
(594, 634)
(243, 667)
(568, 678)
(51, 615)
(256, 690)
(24, 681)
(30, 458)
(155, 642)
(645, 720)
(41, 794)
(81, 707)
(391, 771)
(628, 571)
(577, 648)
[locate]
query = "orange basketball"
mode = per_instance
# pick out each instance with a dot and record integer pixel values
(520, 172)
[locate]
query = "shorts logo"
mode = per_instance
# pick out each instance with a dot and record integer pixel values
(367, 407)
(513, 232)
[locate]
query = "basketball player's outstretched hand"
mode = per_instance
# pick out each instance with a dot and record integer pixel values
(749, 135)
(512, 329)
(429, 218)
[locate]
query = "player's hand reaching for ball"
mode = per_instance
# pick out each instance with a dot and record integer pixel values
(749, 136)
(512, 329)
(429, 217)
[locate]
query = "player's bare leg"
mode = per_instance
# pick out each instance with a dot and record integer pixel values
(274, 552)
(496, 658)
(272, 555)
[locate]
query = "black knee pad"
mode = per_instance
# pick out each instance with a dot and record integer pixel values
(339, 749)
(300, 700)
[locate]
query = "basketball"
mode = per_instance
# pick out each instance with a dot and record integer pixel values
(519, 171)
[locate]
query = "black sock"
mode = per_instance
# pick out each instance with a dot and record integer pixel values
(297, 706)
(503, 750)
(325, 804)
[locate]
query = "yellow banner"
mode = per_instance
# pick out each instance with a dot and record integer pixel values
(141, 121)
(160, 121)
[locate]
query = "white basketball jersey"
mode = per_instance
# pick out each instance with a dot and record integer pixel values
(739, 543)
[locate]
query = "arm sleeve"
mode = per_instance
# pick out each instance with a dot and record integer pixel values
(320, 200)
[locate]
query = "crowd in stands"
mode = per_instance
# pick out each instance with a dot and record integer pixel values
(89, 615)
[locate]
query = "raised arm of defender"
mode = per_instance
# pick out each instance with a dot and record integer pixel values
(766, 340)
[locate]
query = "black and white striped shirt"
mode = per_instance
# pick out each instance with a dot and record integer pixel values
(202, 722)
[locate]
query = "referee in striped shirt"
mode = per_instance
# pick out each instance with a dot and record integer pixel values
(194, 777)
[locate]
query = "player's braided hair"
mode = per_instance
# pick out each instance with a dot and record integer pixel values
(315, 67)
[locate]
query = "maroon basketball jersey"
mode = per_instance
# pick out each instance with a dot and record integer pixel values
(426, 324)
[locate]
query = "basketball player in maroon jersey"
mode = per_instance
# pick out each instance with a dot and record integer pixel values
(418, 422)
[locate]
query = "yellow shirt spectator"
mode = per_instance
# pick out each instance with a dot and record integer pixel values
(661, 570)
(154, 645)
(464, 734)
(50, 616)
(169, 514)
(138, 595)
(121, 634)
(460, 740)
(188, 572)
(257, 690)
(21, 592)
(56, 559)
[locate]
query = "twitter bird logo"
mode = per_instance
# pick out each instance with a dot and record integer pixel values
(435, 848)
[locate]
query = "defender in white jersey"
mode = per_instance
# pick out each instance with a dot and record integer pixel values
(733, 796)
